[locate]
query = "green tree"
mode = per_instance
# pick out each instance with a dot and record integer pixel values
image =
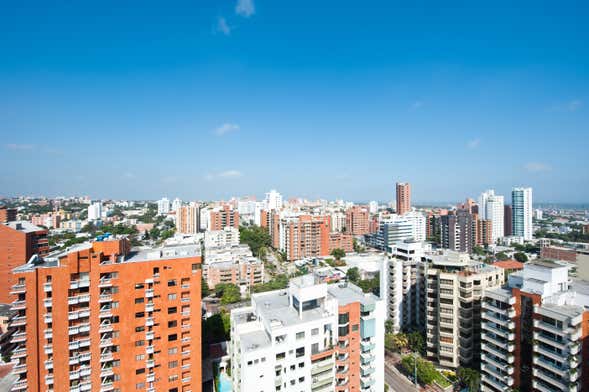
(228, 292)
(426, 372)
(338, 253)
(278, 283)
(353, 275)
(469, 378)
(255, 237)
(416, 342)
(389, 326)
(501, 256)
(521, 257)
(204, 288)
(478, 250)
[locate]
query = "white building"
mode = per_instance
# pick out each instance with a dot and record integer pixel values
(418, 228)
(273, 200)
(392, 229)
(538, 214)
(521, 206)
(310, 337)
(95, 211)
(373, 207)
(406, 284)
(338, 222)
(163, 206)
(491, 206)
(229, 236)
(176, 204)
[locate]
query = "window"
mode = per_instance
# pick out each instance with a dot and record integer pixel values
(140, 371)
(172, 364)
(138, 286)
(172, 310)
(173, 378)
(355, 327)
(300, 352)
(173, 337)
(171, 282)
(280, 356)
(172, 350)
(139, 329)
(139, 300)
(300, 335)
(195, 267)
(140, 357)
(171, 297)
(140, 386)
(301, 379)
(172, 324)
(139, 314)
(343, 318)
(315, 331)
(139, 343)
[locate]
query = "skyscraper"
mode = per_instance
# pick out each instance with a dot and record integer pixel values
(507, 221)
(491, 206)
(403, 197)
(188, 219)
(458, 231)
(163, 206)
(521, 204)
(273, 200)
(98, 317)
(357, 220)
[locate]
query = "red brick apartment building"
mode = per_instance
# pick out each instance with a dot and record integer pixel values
(357, 220)
(223, 217)
(19, 241)
(403, 197)
(7, 214)
(99, 317)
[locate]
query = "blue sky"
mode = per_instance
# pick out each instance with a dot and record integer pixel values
(208, 99)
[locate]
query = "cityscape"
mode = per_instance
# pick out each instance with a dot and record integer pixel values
(309, 196)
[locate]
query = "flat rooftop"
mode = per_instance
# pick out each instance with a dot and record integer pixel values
(24, 226)
(547, 263)
(347, 293)
(274, 306)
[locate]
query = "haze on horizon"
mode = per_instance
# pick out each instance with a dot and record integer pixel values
(208, 99)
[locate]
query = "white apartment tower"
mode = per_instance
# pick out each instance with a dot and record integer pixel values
(491, 206)
(273, 200)
(95, 211)
(309, 337)
(522, 211)
(163, 206)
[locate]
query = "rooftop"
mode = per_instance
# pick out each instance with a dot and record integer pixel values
(547, 263)
(24, 226)
(509, 264)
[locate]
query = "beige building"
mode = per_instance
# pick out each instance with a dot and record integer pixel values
(454, 290)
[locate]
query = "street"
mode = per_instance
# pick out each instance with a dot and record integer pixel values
(396, 381)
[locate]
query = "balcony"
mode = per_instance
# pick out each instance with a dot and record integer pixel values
(19, 353)
(105, 298)
(106, 357)
(49, 379)
(48, 333)
(47, 287)
(18, 321)
(18, 289)
(149, 308)
(48, 349)
(105, 327)
(150, 335)
(19, 369)
(48, 318)
(106, 372)
(18, 305)
(149, 321)
(48, 302)
(105, 312)
(149, 350)
(76, 284)
(149, 363)
(149, 293)
(105, 282)
(105, 343)
(106, 386)
(48, 364)
(19, 337)
(19, 385)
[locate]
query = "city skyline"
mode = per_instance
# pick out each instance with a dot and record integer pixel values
(214, 100)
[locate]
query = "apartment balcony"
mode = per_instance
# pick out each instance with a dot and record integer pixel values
(539, 324)
(105, 327)
(150, 377)
(18, 321)
(76, 344)
(541, 387)
(149, 349)
(366, 383)
(48, 318)
(185, 352)
(149, 321)
(496, 319)
(185, 313)
(149, 335)
(150, 363)
(49, 379)
(559, 384)
(48, 302)
(19, 337)
(106, 372)
(106, 357)
(77, 314)
(48, 349)
(106, 386)
(77, 299)
(19, 386)
(367, 370)
(86, 386)
(20, 369)
(76, 284)
(105, 343)
(546, 339)
(85, 371)
(105, 282)
(149, 293)
(366, 358)
(186, 339)
(104, 298)
(85, 357)
(47, 287)
(549, 353)
(486, 326)
(105, 312)
(20, 352)
(499, 385)
(18, 305)
(495, 351)
(367, 346)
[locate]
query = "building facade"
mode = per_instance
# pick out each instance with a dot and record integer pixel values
(188, 219)
(403, 197)
(19, 241)
(310, 337)
(357, 219)
(99, 317)
(222, 217)
(522, 213)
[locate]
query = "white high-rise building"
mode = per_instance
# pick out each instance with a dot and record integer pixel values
(338, 222)
(273, 200)
(176, 204)
(491, 206)
(521, 206)
(95, 211)
(309, 337)
(418, 228)
(163, 206)
(373, 207)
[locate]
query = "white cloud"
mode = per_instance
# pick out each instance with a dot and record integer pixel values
(537, 167)
(224, 174)
(226, 128)
(19, 147)
(474, 143)
(245, 8)
(223, 27)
